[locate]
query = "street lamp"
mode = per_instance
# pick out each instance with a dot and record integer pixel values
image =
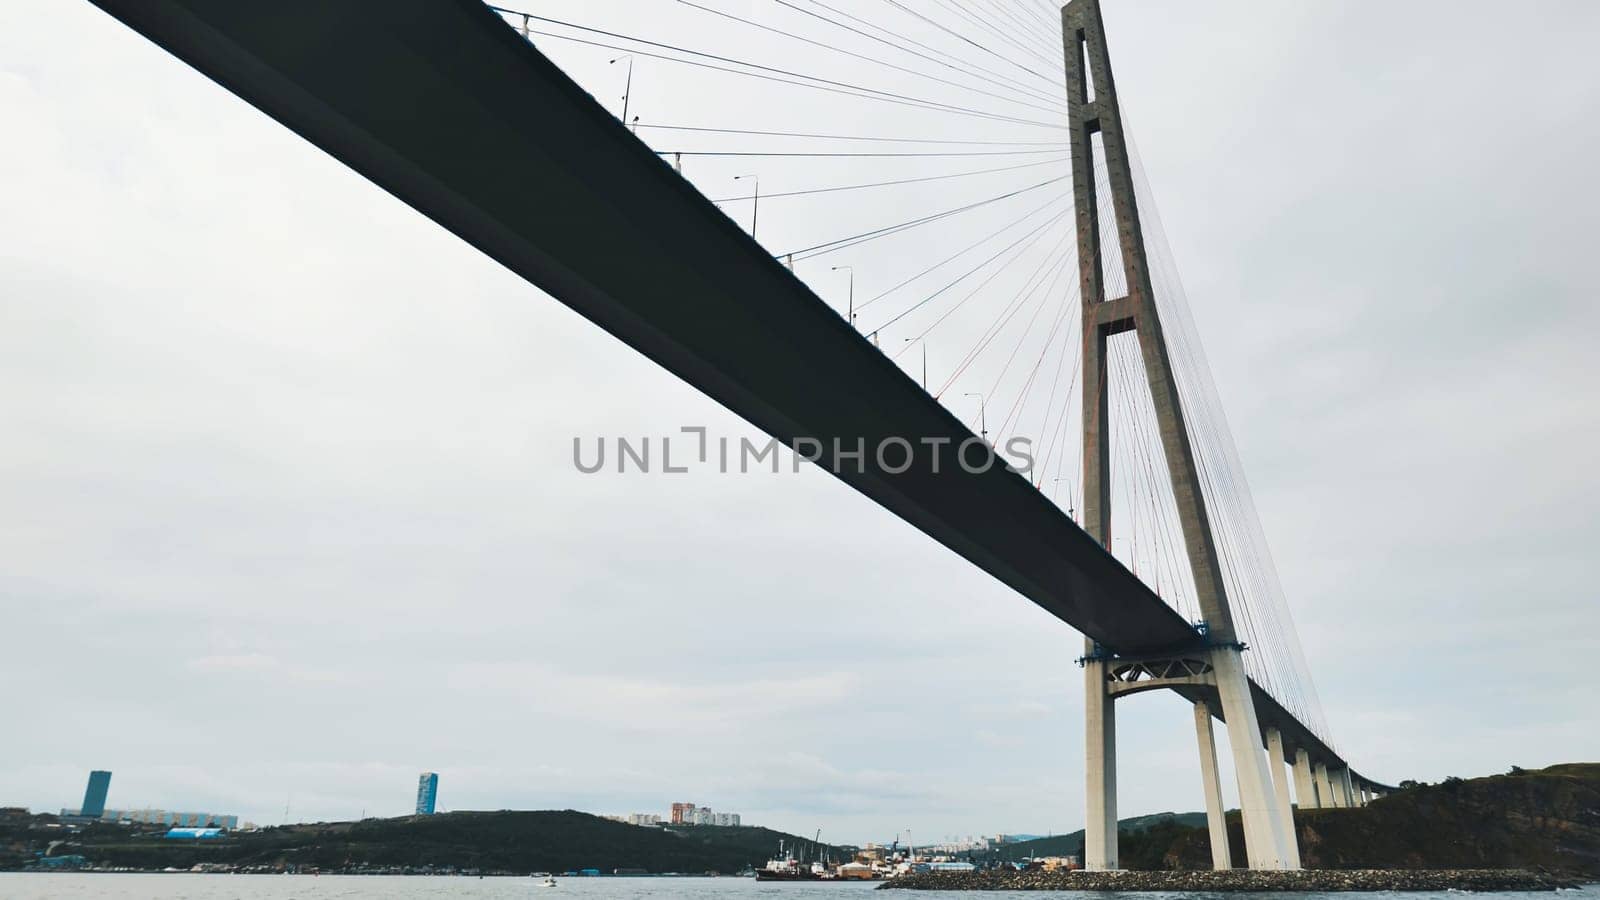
(852, 307)
(913, 340)
(983, 423)
(627, 89)
(755, 208)
(1133, 552)
(1071, 512)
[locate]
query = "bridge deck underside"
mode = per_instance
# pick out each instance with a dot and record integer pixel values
(444, 106)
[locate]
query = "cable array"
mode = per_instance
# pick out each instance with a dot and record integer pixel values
(920, 145)
(1277, 661)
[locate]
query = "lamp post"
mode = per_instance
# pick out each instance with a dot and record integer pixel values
(1133, 552)
(983, 422)
(852, 306)
(919, 339)
(1072, 513)
(755, 208)
(627, 90)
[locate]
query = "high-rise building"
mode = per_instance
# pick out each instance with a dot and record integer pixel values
(94, 797)
(689, 814)
(427, 793)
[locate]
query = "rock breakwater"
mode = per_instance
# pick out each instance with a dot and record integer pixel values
(1241, 880)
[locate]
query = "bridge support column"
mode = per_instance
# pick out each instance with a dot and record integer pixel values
(1305, 787)
(1221, 857)
(1266, 835)
(1344, 787)
(1326, 795)
(1280, 790)
(1099, 766)
(1341, 800)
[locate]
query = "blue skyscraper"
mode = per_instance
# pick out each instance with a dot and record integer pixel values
(94, 797)
(427, 793)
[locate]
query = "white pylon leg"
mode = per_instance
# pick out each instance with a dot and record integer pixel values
(1280, 792)
(1305, 785)
(1221, 858)
(1265, 833)
(1326, 797)
(1100, 768)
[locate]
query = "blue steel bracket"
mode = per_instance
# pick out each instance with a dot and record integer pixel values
(1102, 653)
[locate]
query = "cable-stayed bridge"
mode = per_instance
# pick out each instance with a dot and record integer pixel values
(1018, 230)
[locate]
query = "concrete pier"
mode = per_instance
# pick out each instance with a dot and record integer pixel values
(1266, 835)
(1216, 822)
(1099, 765)
(1305, 785)
(1327, 797)
(1280, 791)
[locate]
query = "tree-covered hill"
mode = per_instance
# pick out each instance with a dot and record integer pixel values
(1545, 818)
(554, 841)
(1133, 836)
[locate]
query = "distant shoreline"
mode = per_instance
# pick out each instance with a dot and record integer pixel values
(1244, 881)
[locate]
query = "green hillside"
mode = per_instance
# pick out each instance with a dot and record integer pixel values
(1546, 818)
(1071, 844)
(1549, 818)
(489, 841)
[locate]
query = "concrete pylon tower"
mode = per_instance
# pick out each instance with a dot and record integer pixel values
(1093, 112)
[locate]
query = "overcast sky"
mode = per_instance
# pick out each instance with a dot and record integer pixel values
(290, 514)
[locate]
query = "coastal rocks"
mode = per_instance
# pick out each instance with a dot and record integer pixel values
(1240, 880)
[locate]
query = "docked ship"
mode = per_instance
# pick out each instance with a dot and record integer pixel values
(867, 866)
(785, 867)
(796, 872)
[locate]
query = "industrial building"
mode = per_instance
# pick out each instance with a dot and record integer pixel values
(427, 793)
(194, 834)
(170, 818)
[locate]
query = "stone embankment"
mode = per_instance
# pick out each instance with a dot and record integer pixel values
(1241, 880)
